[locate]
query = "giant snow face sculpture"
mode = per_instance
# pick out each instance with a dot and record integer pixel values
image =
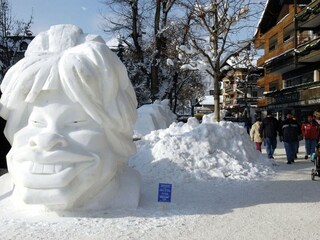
(70, 110)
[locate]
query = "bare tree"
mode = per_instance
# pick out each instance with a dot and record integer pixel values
(12, 34)
(182, 84)
(151, 32)
(124, 19)
(215, 36)
(160, 27)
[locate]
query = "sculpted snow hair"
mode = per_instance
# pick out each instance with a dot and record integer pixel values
(86, 70)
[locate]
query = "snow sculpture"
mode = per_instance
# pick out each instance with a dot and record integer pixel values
(70, 111)
(153, 117)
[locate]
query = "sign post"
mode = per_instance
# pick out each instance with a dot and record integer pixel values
(164, 193)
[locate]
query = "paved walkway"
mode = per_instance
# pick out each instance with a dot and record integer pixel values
(301, 166)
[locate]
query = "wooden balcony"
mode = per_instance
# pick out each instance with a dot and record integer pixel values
(228, 89)
(312, 93)
(262, 102)
(308, 18)
(281, 49)
(260, 82)
(309, 52)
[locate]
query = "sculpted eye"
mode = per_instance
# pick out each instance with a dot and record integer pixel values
(77, 122)
(37, 123)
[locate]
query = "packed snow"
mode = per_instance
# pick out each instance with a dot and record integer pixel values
(153, 117)
(280, 202)
(222, 188)
(181, 152)
(69, 150)
(206, 152)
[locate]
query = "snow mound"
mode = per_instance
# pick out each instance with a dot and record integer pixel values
(199, 152)
(153, 117)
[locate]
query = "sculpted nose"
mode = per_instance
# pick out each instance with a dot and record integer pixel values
(47, 141)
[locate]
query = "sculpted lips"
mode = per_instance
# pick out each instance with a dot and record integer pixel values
(51, 169)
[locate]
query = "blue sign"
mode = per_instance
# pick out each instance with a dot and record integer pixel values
(164, 193)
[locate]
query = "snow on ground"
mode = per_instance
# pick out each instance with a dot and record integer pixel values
(242, 205)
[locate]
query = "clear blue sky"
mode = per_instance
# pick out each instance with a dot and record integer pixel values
(83, 13)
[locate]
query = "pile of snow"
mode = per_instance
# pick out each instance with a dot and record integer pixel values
(153, 117)
(199, 152)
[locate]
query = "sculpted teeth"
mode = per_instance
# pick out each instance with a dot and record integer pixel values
(39, 168)
(58, 168)
(48, 169)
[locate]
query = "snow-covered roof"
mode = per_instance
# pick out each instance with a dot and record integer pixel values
(113, 43)
(271, 12)
(261, 17)
(209, 100)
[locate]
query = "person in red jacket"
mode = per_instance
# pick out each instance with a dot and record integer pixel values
(310, 130)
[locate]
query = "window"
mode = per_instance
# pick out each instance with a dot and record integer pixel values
(254, 94)
(288, 33)
(273, 42)
(273, 86)
(305, 78)
(305, 36)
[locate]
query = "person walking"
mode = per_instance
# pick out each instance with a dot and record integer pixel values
(316, 115)
(269, 129)
(255, 134)
(290, 131)
(247, 123)
(310, 131)
(294, 117)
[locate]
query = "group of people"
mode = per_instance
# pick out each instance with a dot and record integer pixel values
(290, 131)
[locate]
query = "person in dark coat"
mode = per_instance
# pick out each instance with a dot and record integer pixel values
(269, 129)
(290, 131)
(294, 117)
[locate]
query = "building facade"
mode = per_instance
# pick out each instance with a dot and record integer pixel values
(288, 35)
(241, 92)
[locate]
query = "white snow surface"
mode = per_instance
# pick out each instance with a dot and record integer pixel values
(153, 117)
(204, 152)
(245, 205)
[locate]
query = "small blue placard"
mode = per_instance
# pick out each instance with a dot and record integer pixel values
(164, 193)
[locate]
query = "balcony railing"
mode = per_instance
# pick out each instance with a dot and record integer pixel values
(309, 17)
(262, 102)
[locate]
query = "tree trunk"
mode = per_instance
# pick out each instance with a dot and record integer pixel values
(216, 95)
(154, 64)
(135, 30)
(175, 83)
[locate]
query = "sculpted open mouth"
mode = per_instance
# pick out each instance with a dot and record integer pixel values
(52, 170)
(47, 169)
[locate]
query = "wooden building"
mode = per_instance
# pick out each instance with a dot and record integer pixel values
(240, 91)
(289, 36)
